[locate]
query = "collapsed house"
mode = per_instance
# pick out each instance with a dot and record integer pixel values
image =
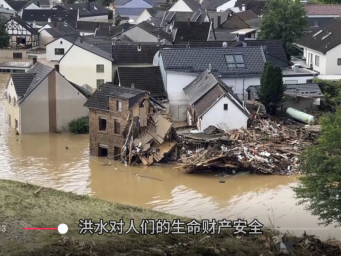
(127, 124)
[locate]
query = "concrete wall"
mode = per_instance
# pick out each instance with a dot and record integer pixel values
(232, 118)
(299, 104)
(95, 18)
(237, 84)
(59, 43)
(145, 15)
(85, 70)
(137, 34)
(69, 103)
(44, 38)
(12, 107)
(180, 6)
(34, 111)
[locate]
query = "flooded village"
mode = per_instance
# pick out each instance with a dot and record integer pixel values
(184, 109)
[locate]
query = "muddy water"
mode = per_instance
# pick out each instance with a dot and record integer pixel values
(43, 159)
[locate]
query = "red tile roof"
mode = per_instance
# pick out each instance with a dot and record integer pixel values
(324, 9)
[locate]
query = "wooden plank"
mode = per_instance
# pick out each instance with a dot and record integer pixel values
(130, 151)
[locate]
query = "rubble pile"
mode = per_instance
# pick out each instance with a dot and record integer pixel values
(268, 147)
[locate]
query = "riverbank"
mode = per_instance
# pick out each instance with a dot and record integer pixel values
(24, 205)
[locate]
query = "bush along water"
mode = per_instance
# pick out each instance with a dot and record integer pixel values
(80, 125)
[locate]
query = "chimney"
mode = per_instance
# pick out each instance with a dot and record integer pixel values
(55, 24)
(132, 86)
(49, 20)
(219, 21)
(34, 60)
(243, 8)
(34, 24)
(56, 67)
(188, 21)
(88, 5)
(209, 68)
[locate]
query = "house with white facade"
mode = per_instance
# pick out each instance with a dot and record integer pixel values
(322, 49)
(56, 29)
(42, 100)
(212, 102)
(85, 63)
(186, 6)
(56, 49)
(237, 67)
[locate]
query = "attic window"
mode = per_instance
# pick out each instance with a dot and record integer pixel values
(139, 47)
(234, 61)
(326, 35)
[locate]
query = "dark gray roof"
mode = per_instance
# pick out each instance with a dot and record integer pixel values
(155, 31)
(94, 49)
(191, 31)
(100, 98)
(292, 90)
(204, 91)
(128, 53)
(70, 39)
(59, 29)
(325, 39)
(123, 11)
(273, 49)
(144, 78)
(212, 4)
(91, 26)
(257, 6)
(214, 15)
(41, 71)
(3, 18)
(196, 60)
(103, 44)
(21, 82)
(208, 44)
(24, 25)
(88, 9)
(81, 89)
(224, 34)
(183, 16)
(106, 32)
(42, 15)
(18, 5)
(124, 2)
(42, 2)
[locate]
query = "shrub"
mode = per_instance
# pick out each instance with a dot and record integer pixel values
(80, 125)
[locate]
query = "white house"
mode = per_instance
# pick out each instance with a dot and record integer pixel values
(186, 6)
(322, 49)
(212, 102)
(21, 33)
(42, 100)
(56, 49)
(85, 63)
(237, 67)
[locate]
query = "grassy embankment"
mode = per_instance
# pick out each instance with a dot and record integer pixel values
(21, 207)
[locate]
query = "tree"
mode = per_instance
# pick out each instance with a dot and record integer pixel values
(285, 20)
(79, 125)
(331, 93)
(105, 2)
(4, 37)
(118, 19)
(321, 185)
(271, 89)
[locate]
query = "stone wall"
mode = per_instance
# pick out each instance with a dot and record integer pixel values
(108, 137)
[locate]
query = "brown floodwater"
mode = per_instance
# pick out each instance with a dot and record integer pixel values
(43, 159)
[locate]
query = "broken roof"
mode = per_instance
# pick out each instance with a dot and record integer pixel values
(325, 39)
(196, 60)
(144, 78)
(100, 98)
(191, 31)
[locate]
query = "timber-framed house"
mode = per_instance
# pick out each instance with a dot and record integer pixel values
(22, 35)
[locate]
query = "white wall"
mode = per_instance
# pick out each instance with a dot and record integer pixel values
(94, 18)
(44, 38)
(145, 15)
(297, 79)
(59, 43)
(34, 111)
(331, 61)
(69, 103)
(137, 4)
(11, 109)
(237, 84)
(85, 70)
(322, 65)
(180, 6)
(227, 5)
(232, 118)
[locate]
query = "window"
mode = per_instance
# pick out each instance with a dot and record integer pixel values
(61, 42)
(225, 106)
(309, 81)
(234, 61)
(102, 124)
(317, 60)
(16, 124)
(14, 101)
(117, 127)
(316, 23)
(339, 62)
(100, 82)
(9, 98)
(119, 106)
(100, 68)
(59, 51)
(17, 55)
(139, 47)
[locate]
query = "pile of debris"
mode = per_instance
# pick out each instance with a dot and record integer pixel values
(268, 147)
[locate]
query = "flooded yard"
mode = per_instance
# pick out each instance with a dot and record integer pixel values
(43, 159)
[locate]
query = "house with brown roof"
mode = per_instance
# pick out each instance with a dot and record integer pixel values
(320, 15)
